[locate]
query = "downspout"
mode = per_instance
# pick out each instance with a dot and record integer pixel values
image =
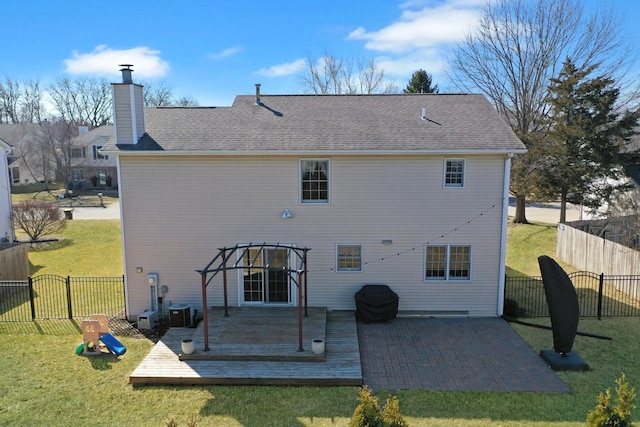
(122, 237)
(503, 231)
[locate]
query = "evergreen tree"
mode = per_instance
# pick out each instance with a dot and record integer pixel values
(581, 150)
(420, 82)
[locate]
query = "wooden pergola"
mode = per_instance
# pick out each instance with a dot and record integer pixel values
(220, 263)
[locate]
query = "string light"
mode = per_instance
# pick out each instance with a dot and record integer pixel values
(442, 236)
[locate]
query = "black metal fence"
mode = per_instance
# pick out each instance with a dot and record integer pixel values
(50, 296)
(599, 295)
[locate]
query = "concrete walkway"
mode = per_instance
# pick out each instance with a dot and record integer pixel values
(111, 211)
(547, 213)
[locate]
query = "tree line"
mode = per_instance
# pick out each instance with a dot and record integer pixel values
(82, 101)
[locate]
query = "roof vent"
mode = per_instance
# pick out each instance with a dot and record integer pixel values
(258, 102)
(424, 113)
(126, 73)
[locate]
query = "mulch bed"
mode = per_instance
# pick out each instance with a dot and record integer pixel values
(122, 328)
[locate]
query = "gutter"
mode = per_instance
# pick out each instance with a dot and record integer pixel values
(181, 153)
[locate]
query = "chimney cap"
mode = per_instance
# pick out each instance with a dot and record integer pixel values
(126, 73)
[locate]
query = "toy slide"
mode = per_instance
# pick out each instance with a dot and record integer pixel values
(113, 344)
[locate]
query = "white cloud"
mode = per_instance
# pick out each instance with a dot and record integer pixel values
(103, 60)
(285, 69)
(425, 27)
(224, 53)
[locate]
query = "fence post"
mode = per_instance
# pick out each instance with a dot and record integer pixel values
(69, 308)
(31, 299)
(600, 292)
(124, 296)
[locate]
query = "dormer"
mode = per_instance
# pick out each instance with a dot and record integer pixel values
(128, 109)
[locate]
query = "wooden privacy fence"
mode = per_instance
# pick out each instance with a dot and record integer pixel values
(599, 295)
(14, 261)
(592, 253)
(50, 296)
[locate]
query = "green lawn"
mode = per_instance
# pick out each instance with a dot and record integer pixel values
(45, 384)
(86, 248)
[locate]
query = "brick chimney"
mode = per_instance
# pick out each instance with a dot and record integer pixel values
(128, 108)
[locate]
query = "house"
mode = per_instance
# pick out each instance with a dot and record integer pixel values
(7, 232)
(16, 136)
(89, 167)
(406, 190)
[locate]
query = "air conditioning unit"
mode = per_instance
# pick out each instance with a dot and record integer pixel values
(148, 320)
(181, 315)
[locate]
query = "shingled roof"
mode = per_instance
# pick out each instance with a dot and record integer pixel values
(464, 123)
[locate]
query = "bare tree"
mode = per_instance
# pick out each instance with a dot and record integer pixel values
(159, 95)
(519, 46)
(84, 101)
(32, 109)
(10, 93)
(333, 75)
(37, 218)
(185, 101)
(48, 153)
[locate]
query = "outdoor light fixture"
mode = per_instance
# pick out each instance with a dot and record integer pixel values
(286, 214)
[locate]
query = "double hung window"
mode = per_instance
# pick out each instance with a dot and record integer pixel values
(349, 257)
(454, 171)
(447, 262)
(314, 181)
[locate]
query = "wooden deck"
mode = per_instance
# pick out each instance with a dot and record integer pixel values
(249, 348)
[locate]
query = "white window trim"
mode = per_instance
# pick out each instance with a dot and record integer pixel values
(446, 270)
(464, 172)
(361, 258)
(293, 288)
(312, 202)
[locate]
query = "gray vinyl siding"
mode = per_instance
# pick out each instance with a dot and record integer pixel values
(177, 212)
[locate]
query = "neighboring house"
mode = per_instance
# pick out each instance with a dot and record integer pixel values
(30, 164)
(17, 136)
(89, 167)
(406, 190)
(7, 233)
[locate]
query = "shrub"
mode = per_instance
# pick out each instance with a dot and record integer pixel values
(369, 414)
(391, 413)
(619, 415)
(37, 218)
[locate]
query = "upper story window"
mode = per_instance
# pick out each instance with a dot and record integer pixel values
(314, 181)
(78, 153)
(349, 258)
(454, 172)
(96, 153)
(447, 262)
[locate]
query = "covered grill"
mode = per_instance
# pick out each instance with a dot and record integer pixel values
(376, 303)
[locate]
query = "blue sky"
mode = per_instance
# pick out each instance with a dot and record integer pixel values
(214, 50)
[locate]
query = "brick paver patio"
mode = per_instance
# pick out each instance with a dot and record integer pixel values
(471, 354)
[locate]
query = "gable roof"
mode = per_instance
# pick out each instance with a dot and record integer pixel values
(100, 134)
(329, 124)
(13, 134)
